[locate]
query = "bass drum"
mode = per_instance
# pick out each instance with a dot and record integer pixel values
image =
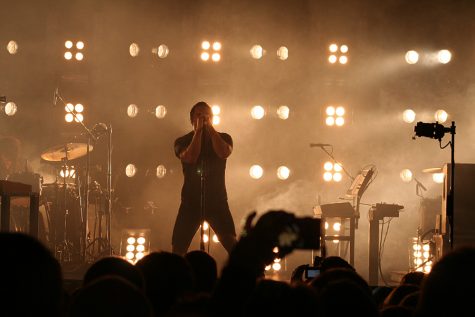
(62, 205)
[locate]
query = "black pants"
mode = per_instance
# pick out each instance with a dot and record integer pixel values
(189, 219)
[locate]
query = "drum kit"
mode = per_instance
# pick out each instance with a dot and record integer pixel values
(72, 233)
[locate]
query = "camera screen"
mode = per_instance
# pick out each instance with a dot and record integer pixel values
(312, 272)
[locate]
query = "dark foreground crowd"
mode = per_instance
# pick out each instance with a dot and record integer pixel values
(166, 284)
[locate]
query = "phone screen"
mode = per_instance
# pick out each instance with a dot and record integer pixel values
(311, 273)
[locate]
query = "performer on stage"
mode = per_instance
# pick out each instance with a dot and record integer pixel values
(203, 150)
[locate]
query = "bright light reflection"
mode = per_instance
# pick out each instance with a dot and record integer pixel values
(283, 172)
(130, 170)
(256, 171)
(441, 116)
(257, 112)
(257, 52)
(406, 175)
(412, 57)
(283, 112)
(132, 110)
(409, 116)
(160, 111)
(444, 56)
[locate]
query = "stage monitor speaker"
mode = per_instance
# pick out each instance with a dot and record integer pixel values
(464, 205)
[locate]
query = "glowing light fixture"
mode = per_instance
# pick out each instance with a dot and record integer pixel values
(409, 116)
(12, 47)
(406, 175)
(160, 111)
(332, 172)
(283, 53)
(135, 244)
(338, 53)
(130, 170)
(283, 172)
(335, 116)
(438, 178)
(257, 52)
(420, 255)
(283, 112)
(441, 116)
(444, 56)
(161, 51)
(134, 50)
(132, 110)
(412, 57)
(211, 51)
(256, 171)
(79, 46)
(258, 112)
(10, 108)
(161, 171)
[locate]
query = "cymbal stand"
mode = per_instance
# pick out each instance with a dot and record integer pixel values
(85, 210)
(65, 247)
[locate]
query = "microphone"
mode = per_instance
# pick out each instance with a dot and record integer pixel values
(420, 184)
(319, 144)
(55, 96)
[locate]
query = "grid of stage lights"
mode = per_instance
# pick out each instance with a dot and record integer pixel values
(276, 265)
(332, 172)
(74, 50)
(335, 116)
(206, 239)
(420, 256)
(136, 246)
(210, 51)
(338, 54)
(74, 112)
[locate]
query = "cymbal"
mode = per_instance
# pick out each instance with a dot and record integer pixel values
(69, 151)
(432, 170)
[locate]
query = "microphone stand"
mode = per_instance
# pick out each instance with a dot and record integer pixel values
(109, 190)
(203, 176)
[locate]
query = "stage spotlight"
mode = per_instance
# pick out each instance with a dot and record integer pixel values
(444, 56)
(205, 56)
(217, 46)
(335, 116)
(10, 108)
(216, 120)
(161, 51)
(283, 53)
(441, 116)
(134, 50)
(132, 110)
(79, 107)
(68, 55)
(135, 244)
(257, 112)
(283, 112)
(412, 57)
(12, 47)
(256, 172)
(216, 110)
(332, 172)
(205, 45)
(69, 117)
(438, 178)
(420, 255)
(216, 57)
(409, 116)
(257, 52)
(161, 171)
(79, 117)
(130, 170)
(205, 225)
(283, 172)
(406, 175)
(338, 53)
(160, 111)
(215, 238)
